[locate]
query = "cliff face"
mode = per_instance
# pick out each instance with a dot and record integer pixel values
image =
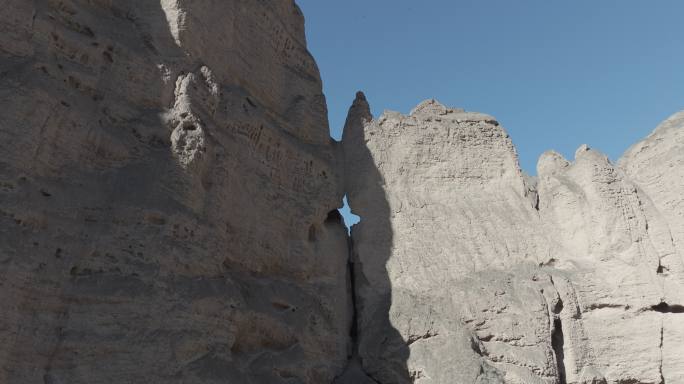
(486, 275)
(444, 212)
(168, 196)
(168, 214)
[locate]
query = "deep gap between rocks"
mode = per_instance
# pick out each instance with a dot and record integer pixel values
(346, 214)
(662, 339)
(353, 358)
(558, 341)
(354, 331)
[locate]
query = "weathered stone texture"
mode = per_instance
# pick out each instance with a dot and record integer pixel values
(166, 187)
(444, 212)
(168, 214)
(487, 275)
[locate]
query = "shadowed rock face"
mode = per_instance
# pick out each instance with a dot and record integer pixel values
(166, 180)
(168, 196)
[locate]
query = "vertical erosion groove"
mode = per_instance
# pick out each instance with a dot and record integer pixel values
(353, 332)
(558, 340)
(662, 333)
(557, 343)
(354, 372)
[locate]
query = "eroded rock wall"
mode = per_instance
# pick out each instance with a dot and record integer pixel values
(468, 270)
(168, 196)
(656, 166)
(168, 214)
(447, 246)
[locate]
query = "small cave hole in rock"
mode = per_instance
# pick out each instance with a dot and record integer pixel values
(334, 216)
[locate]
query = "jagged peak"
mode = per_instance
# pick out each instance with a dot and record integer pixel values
(580, 150)
(550, 162)
(584, 152)
(360, 107)
(359, 114)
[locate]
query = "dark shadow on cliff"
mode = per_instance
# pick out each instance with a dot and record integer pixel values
(108, 173)
(379, 350)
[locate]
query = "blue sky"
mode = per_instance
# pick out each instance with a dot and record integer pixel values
(556, 74)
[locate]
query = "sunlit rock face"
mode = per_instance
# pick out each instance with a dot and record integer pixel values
(168, 196)
(168, 214)
(656, 165)
(488, 275)
(448, 243)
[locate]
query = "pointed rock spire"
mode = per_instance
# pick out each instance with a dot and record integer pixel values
(359, 114)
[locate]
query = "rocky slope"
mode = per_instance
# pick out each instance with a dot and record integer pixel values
(168, 214)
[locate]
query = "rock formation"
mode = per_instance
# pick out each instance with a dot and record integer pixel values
(168, 196)
(168, 214)
(485, 275)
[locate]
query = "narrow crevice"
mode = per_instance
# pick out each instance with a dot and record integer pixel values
(354, 370)
(595, 306)
(351, 273)
(557, 343)
(413, 338)
(662, 333)
(558, 339)
(664, 307)
(354, 330)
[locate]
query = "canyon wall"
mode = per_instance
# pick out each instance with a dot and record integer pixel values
(469, 271)
(168, 196)
(168, 214)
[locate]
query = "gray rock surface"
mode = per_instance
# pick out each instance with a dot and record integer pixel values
(166, 180)
(656, 167)
(168, 214)
(469, 271)
(447, 246)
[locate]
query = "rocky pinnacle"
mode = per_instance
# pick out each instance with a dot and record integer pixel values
(169, 198)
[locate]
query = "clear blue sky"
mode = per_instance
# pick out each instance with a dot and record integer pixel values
(556, 74)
